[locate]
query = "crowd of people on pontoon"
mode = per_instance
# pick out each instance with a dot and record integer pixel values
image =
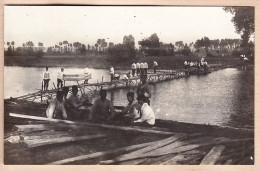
(137, 69)
(136, 112)
(197, 66)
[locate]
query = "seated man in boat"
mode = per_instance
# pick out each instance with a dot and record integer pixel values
(65, 91)
(77, 109)
(131, 110)
(147, 116)
(56, 108)
(116, 76)
(102, 108)
(144, 89)
(206, 68)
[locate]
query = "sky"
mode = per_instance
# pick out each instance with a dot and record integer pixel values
(86, 24)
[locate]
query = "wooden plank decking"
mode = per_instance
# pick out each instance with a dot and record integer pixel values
(68, 142)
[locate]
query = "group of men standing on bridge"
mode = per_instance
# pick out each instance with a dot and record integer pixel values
(138, 69)
(60, 78)
(136, 112)
(142, 68)
(189, 66)
(47, 78)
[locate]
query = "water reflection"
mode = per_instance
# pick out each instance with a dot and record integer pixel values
(224, 97)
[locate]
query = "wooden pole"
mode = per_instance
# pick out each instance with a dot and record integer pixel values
(54, 85)
(125, 128)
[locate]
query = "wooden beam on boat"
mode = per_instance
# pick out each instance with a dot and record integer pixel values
(43, 142)
(175, 159)
(171, 148)
(46, 135)
(124, 128)
(142, 152)
(174, 148)
(103, 153)
(39, 127)
(214, 154)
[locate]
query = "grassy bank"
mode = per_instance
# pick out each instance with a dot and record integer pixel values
(104, 61)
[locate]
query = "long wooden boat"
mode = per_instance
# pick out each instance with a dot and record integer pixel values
(31, 138)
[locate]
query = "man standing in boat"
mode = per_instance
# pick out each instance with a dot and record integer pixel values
(145, 68)
(144, 89)
(141, 69)
(133, 67)
(86, 73)
(137, 68)
(46, 79)
(60, 79)
(112, 72)
(155, 64)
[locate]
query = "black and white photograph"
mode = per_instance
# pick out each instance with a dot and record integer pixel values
(129, 85)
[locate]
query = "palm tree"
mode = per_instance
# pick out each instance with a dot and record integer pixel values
(65, 42)
(13, 44)
(24, 46)
(60, 46)
(70, 47)
(30, 45)
(40, 44)
(8, 44)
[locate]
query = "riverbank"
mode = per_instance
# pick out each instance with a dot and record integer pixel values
(104, 61)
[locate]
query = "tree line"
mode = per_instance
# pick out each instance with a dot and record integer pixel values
(243, 19)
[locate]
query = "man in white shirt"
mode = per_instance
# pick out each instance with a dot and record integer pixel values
(137, 68)
(147, 116)
(185, 64)
(155, 64)
(141, 69)
(133, 67)
(145, 68)
(46, 79)
(112, 72)
(60, 79)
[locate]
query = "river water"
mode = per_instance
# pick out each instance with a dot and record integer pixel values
(224, 97)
